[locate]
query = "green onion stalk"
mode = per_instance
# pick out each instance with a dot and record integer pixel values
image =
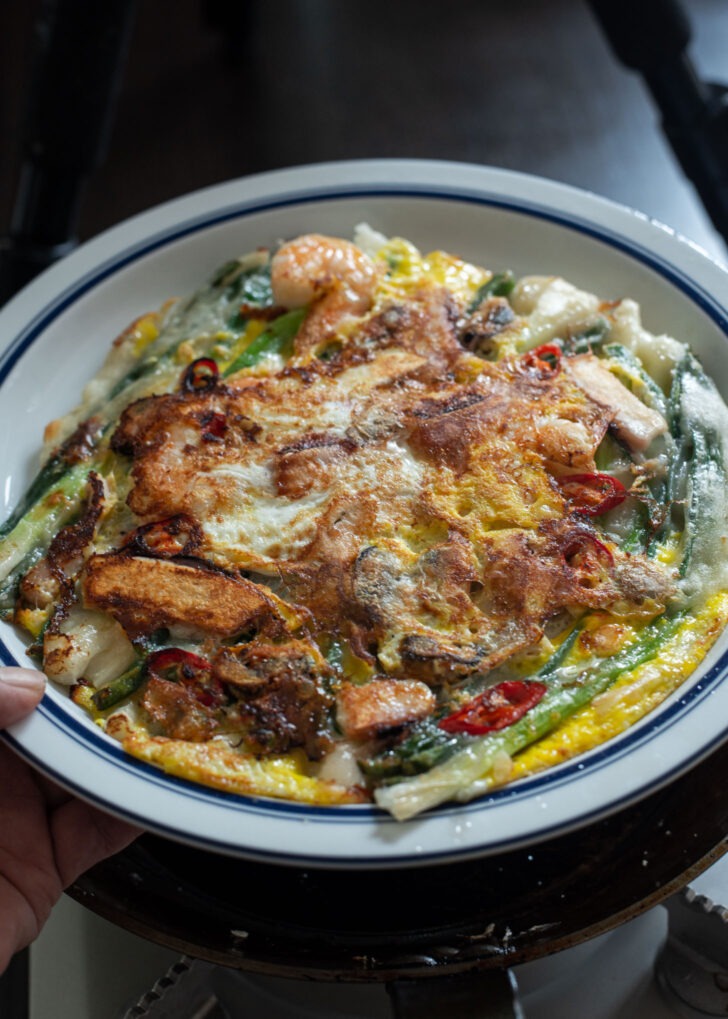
(474, 757)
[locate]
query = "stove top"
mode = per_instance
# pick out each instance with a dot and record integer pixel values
(106, 971)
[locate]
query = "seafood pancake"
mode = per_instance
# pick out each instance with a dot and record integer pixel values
(352, 523)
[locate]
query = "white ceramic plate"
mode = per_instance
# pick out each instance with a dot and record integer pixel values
(56, 332)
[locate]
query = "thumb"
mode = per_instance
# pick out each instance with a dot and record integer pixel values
(20, 692)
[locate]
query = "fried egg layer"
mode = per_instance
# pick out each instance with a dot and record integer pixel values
(390, 488)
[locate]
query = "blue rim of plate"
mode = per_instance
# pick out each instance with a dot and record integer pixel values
(659, 720)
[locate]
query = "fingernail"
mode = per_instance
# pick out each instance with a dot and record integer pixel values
(29, 679)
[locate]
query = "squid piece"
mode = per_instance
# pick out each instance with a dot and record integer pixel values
(634, 423)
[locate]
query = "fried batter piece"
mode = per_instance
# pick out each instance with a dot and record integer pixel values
(146, 594)
(384, 705)
(281, 695)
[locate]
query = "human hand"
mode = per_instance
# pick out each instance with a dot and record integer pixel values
(47, 837)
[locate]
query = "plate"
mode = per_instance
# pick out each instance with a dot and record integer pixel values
(57, 331)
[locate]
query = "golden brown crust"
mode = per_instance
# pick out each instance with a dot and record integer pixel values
(176, 712)
(145, 595)
(411, 513)
(218, 765)
(309, 463)
(316, 561)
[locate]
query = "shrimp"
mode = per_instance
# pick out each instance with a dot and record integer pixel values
(313, 265)
(333, 275)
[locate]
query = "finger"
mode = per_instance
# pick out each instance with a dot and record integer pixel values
(20, 692)
(83, 836)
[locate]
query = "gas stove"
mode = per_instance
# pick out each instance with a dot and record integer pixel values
(84, 967)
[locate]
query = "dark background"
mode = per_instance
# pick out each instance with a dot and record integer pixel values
(531, 86)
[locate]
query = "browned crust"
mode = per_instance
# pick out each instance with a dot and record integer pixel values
(368, 711)
(52, 578)
(407, 451)
(148, 594)
(308, 464)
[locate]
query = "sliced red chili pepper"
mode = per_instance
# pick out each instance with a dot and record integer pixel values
(496, 708)
(202, 374)
(592, 494)
(163, 539)
(585, 544)
(546, 359)
(214, 424)
(178, 666)
(589, 557)
(183, 664)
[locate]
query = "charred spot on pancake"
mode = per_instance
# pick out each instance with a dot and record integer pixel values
(309, 463)
(282, 696)
(175, 712)
(81, 443)
(179, 535)
(479, 329)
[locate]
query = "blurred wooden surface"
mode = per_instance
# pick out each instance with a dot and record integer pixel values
(531, 87)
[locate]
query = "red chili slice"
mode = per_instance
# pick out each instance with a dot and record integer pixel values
(214, 426)
(546, 359)
(592, 494)
(495, 708)
(163, 539)
(202, 374)
(178, 666)
(589, 558)
(585, 545)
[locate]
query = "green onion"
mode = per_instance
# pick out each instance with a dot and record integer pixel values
(567, 694)
(277, 339)
(697, 486)
(588, 339)
(37, 528)
(120, 688)
(499, 285)
(426, 746)
(628, 369)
